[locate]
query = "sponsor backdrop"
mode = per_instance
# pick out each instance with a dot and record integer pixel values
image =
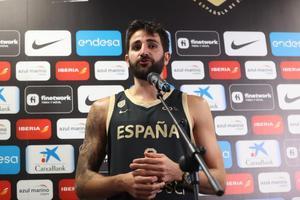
(58, 56)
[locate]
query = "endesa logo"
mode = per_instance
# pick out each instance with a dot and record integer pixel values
(294, 124)
(5, 190)
(285, 43)
(33, 129)
(5, 71)
(67, 189)
(239, 184)
(226, 153)
(224, 70)
(9, 160)
(72, 70)
(267, 124)
(290, 69)
(98, 43)
(49, 159)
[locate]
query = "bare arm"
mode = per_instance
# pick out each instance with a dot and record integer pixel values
(204, 134)
(89, 183)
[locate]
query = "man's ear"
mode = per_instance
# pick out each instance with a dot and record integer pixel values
(167, 57)
(127, 58)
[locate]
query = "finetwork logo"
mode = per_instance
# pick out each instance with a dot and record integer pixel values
(285, 43)
(251, 97)
(98, 43)
(5, 130)
(226, 153)
(239, 184)
(48, 43)
(41, 189)
(88, 94)
(5, 71)
(71, 128)
(260, 70)
(224, 70)
(9, 160)
(239, 43)
(48, 99)
(49, 159)
(258, 153)
(111, 70)
(214, 94)
(188, 70)
(218, 7)
(289, 96)
(292, 150)
(274, 182)
(197, 43)
(9, 100)
(33, 71)
(9, 43)
(230, 125)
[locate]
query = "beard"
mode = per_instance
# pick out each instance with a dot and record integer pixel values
(141, 72)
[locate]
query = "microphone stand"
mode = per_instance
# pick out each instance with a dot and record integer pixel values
(193, 158)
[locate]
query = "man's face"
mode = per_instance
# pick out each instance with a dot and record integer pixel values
(146, 54)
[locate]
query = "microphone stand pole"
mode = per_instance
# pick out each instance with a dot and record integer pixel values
(193, 160)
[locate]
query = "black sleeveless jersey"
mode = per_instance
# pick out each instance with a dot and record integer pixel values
(135, 127)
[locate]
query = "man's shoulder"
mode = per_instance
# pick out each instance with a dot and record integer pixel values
(101, 105)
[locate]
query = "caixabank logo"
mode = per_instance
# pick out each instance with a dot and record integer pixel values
(48, 99)
(218, 7)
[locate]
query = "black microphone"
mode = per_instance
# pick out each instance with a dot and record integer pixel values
(160, 84)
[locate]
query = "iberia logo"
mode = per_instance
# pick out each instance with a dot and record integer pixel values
(218, 7)
(224, 70)
(72, 70)
(67, 189)
(267, 124)
(239, 183)
(5, 71)
(5, 190)
(33, 129)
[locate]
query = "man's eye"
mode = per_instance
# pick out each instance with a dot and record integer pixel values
(152, 46)
(136, 47)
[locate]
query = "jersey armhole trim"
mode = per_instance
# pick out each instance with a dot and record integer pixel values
(110, 111)
(188, 115)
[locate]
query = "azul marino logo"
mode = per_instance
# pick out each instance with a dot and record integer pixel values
(98, 43)
(285, 44)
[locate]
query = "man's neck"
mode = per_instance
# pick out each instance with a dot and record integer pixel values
(143, 90)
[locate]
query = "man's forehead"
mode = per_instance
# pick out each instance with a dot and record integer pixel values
(142, 35)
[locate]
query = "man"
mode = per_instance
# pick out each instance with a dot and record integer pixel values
(142, 143)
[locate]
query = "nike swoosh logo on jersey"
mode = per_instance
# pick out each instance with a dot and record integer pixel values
(239, 46)
(290, 100)
(39, 46)
(123, 111)
(88, 102)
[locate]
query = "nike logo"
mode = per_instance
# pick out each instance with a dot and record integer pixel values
(123, 111)
(291, 100)
(88, 102)
(39, 46)
(239, 46)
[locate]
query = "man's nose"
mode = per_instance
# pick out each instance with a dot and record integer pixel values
(144, 50)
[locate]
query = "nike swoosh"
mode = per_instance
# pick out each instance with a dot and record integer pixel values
(123, 111)
(290, 100)
(88, 102)
(239, 46)
(39, 46)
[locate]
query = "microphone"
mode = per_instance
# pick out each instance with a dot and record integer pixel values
(160, 84)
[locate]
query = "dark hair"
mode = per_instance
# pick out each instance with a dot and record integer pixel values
(150, 27)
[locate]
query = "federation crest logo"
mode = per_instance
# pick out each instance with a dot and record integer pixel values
(218, 7)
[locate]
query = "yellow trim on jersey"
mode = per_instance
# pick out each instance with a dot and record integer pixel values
(110, 111)
(147, 104)
(187, 113)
